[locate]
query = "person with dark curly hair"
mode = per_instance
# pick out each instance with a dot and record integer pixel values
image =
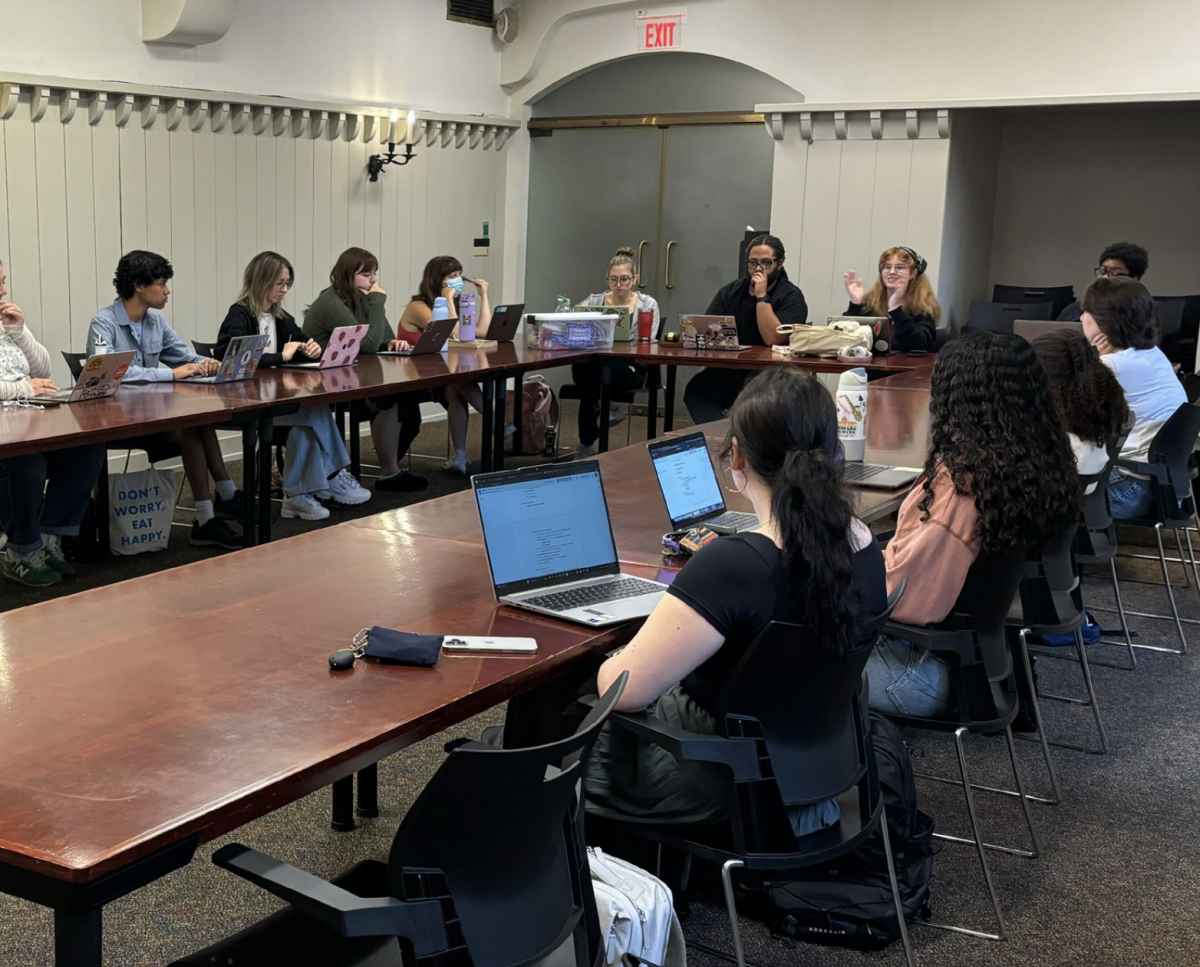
(999, 475)
(1121, 260)
(1118, 319)
(1089, 400)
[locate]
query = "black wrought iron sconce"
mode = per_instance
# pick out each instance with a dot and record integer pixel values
(377, 162)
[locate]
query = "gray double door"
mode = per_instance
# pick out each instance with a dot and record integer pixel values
(680, 197)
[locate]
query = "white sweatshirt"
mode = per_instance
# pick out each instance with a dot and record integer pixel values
(22, 357)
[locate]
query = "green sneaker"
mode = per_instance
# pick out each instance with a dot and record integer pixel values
(30, 569)
(52, 545)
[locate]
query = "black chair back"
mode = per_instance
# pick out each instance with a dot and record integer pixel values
(1050, 595)
(1096, 536)
(208, 349)
(499, 825)
(1189, 324)
(983, 605)
(75, 363)
(1172, 446)
(1059, 296)
(1169, 313)
(999, 316)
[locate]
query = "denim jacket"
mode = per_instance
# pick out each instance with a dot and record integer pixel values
(110, 331)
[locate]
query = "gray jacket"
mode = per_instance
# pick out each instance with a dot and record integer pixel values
(110, 331)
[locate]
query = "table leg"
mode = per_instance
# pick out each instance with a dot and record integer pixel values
(501, 385)
(78, 937)
(368, 791)
(355, 444)
(249, 481)
(102, 524)
(652, 379)
(343, 805)
(669, 400)
(486, 448)
(605, 403)
(518, 403)
(265, 436)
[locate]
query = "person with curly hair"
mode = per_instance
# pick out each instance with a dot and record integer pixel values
(902, 292)
(1000, 474)
(1121, 260)
(1089, 400)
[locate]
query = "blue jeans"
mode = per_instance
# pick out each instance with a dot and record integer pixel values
(46, 493)
(906, 679)
(1129, 497)
(315, 450)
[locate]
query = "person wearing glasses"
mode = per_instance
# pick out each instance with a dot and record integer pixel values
(761, 302)
(1121, 260)
(622, 291)
(902, 292)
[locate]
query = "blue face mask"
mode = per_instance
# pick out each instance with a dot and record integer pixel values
(456, 284)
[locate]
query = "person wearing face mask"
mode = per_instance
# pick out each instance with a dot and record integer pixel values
(622, 291)
(760, 303)
(902, 292)
(443, 277)
(354, 298)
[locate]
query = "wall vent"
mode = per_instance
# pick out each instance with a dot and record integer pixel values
(478, 12)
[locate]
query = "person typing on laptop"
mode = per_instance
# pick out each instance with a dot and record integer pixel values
(811, 562)
(42, 495)
(134, 322)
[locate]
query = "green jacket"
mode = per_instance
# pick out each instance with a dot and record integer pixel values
(328, 313)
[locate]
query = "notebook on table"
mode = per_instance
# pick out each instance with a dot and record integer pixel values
(550, 547)
(100, 376)
(342, 350)
(432, 340)
(690, 488)
(241, 360)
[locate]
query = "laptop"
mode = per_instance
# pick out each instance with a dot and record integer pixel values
(550, 546)
(622, 332)
(505, 319)
(100, 376)
(878, 476)
(690, 487)
(881, 330)
(241, 360)
(1031, 329)
(432, 340)
(342, 349)
(710, 332)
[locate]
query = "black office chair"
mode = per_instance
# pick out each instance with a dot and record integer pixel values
(1169, 313)
(488, 868)
(984, 694)
(1059, 296)
(999, 316)
(792, 732)
(1189, 330)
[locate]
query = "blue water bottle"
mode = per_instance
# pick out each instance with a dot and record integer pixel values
(466, 318)
(441, 310)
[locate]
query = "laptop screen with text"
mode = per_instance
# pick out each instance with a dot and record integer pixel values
(545, 527)
(685, 474)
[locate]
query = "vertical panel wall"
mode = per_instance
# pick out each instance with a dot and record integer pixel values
(86, 177)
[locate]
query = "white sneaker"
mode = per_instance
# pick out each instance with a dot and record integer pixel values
(346, 490)
(305, 507)
(458, 463)
(584, 452)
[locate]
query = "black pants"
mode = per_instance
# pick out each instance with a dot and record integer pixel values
(408, 409)
(625, 379)
(711, 392)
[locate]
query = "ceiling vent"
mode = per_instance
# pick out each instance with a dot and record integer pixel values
(478, 12)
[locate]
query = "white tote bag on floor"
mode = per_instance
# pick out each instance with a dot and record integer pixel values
(140, 508)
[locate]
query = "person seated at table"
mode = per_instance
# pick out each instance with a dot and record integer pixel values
(902, 292)
(42, 495)
(626, 378)
(134, 322)
(1118, 319)
(443, 277)
(760, 303)
(811, 562)
(1000, 474)
(1089, 400)
(354, 298)
(315, 463)
(1121, 260)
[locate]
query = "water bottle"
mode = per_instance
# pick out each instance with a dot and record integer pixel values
(466, 318)
(852, 413)
(562, 304)
(441, 309)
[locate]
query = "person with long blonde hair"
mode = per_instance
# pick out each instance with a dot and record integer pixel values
(902, 292)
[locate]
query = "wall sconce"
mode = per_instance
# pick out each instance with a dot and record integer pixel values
(376, 163)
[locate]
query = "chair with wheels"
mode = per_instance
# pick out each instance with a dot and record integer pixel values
(502, 888)
(984, 695)
(792, 724)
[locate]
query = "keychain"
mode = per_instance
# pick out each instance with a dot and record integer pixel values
(343, 660)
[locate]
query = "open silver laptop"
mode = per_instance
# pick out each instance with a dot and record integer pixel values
(690, 487)
(550, 546)
(100, 376)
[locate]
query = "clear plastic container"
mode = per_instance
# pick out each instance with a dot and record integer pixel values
(572, 330)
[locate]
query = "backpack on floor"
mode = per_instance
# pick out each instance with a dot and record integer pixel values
(849, 902)
(539, 412)
(637, 916)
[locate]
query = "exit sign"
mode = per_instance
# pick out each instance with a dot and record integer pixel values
(660, 29)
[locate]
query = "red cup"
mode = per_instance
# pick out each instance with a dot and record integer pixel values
(645, 325)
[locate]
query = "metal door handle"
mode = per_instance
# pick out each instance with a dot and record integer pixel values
(668, 278)
(641, 284)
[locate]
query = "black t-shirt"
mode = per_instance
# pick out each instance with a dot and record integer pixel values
(739, 584)
(735, 300)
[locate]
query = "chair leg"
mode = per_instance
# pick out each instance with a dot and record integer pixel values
(1012, 756)
(1084, 667)
(1037, 718)
(731, 909)
(1112, 565)
(909, 956)
(1162, 557)
(1187, 533)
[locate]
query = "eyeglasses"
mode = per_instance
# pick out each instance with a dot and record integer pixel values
(620, 279)
(1102, 272)
(898, 267)
(767, 264)
(283, 285)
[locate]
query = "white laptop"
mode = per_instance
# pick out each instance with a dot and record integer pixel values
(100, 376)
(241, 360)
(690, 487)
(550, 545)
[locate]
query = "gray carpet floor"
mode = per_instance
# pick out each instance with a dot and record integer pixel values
(1117, 883)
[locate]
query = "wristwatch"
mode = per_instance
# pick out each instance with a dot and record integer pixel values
(762, 298)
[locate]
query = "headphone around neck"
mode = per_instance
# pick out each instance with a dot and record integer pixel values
(921, 264)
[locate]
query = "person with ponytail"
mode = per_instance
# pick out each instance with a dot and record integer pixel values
(902, 292)
(1089, 400)
(1000, 474)
(622, 282)
(811, 562)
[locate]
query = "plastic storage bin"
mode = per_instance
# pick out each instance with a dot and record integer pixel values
(572, 330)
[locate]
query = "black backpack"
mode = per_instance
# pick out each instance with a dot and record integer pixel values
(849, 903)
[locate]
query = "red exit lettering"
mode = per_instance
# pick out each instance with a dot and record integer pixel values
(660, 34)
